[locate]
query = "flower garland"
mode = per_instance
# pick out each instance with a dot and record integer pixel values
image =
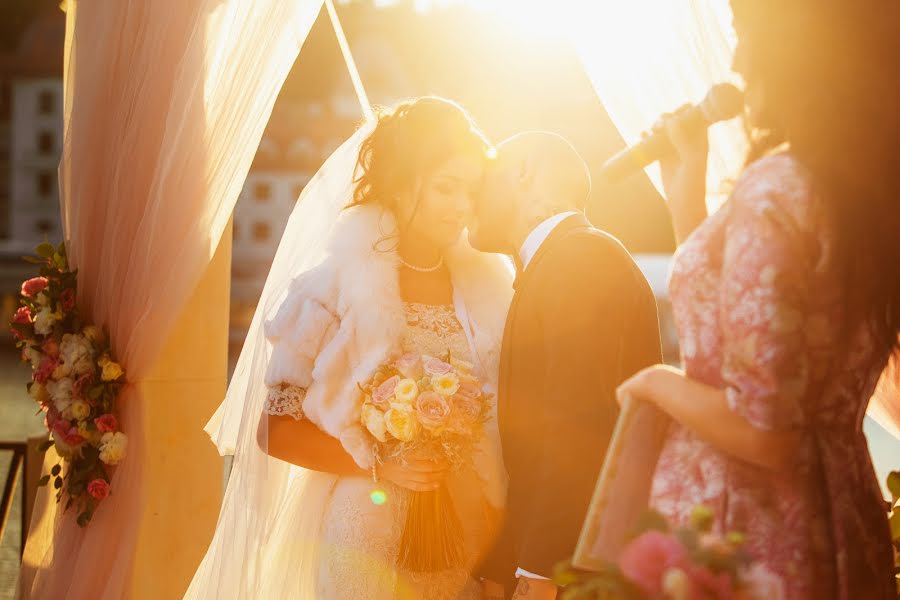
(73, 379)
(685, 563)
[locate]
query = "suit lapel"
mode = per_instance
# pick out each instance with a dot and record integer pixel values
(522, 287)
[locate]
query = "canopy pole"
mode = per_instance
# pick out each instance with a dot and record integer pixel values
(351, 64)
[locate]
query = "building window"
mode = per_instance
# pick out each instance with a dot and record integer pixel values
(262, 192)
(46, 142)
(47, 102)
(45, 183)
(262, 232)
(44, 226)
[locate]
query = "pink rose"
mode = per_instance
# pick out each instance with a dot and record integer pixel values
(51, 418)
(50, 348)
(67, 299)
(98, 489)
(435, 366)
(645, 560)
(432, 410)
(410, 365)
(469, 390)
(34, 286)
(706, 585)
(73, 438)
(383, 393)
(107, 423)
(45, 369)
(60, 428)
(22, 317)
(468, 408)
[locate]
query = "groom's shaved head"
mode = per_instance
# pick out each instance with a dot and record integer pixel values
(550, 163)
(535, 175)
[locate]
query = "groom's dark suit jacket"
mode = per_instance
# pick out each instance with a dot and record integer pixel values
(582, 320)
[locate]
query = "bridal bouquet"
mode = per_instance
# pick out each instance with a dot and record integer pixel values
(688, 563)
(73, 379)
(425, 408)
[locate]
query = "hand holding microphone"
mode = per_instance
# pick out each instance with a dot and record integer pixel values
(722, 102)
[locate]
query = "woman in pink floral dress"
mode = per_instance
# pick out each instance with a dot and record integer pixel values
(786, 301)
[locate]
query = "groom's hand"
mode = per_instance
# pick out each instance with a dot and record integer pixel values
(534, 589)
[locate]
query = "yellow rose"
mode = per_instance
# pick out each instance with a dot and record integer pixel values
(373, 419)
(93, 333)
(406, 391)
(39, 393)
(81, 410)
(400, 422)
(445, 385)
(111, 370)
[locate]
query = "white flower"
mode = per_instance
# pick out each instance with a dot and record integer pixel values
(77, 354)
(33, 356)
(43, 299)
(113, 447)
(445, 385)
(61, 393)
(44, 321)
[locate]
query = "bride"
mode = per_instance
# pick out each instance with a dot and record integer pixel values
(391, 274)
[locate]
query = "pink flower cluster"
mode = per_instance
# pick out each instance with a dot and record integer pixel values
(74, 381)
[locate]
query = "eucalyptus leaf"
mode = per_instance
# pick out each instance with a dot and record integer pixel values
(45, 250)
(43, 481)
(893, 484)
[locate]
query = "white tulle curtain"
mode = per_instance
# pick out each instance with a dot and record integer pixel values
(165, 104)
(647, 57)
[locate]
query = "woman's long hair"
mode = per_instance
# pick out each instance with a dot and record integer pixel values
(829, 73)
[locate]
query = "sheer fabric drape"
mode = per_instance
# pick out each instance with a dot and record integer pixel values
(165, 104)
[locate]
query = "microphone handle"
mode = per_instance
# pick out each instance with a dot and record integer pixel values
(650, 149)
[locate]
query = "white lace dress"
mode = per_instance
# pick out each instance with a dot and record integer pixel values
(361, 539)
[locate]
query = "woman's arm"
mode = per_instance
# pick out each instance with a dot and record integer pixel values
(302, 443)
(704, 410)
(684, 174)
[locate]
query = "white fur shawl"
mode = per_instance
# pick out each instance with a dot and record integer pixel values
(344, 318)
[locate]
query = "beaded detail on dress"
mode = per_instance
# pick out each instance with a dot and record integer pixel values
(285, 400)
(434, 330)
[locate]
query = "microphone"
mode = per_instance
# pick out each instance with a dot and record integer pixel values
(722, 102)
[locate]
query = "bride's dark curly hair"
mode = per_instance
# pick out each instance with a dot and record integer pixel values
(829, 73)
(410, 139)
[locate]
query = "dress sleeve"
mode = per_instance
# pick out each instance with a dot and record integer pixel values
(764, 300)
(285, 400)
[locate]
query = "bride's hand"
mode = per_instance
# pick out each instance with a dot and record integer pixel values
(415, 475)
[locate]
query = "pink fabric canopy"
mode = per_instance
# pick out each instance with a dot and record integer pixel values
(165, 104)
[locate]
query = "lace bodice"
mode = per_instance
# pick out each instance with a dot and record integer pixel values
(433, 329)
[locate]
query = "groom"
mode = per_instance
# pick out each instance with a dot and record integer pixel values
(582, 320)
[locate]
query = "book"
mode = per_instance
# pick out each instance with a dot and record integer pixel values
(622, 493)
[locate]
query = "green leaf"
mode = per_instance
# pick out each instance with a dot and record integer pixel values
(95, 391)
(34, 260)
(58, 482)
(893, 484)
(55, 470)
(61, 249)
(895, 525)
(45, 250)
(43, 481)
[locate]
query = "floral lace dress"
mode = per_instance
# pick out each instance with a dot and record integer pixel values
(361, 539)
(759, 314)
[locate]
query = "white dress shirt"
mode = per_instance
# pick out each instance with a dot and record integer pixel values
(530, 247)
(539, 235)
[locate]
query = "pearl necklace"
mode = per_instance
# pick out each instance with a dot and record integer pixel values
(440, 263)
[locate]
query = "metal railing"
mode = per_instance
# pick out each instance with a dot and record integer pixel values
(19, 461)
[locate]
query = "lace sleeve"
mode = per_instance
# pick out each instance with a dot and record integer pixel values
(285, 400)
